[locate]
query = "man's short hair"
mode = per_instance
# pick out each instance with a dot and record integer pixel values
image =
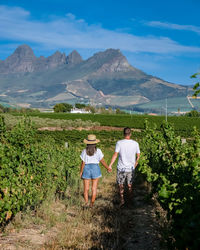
(127, 131)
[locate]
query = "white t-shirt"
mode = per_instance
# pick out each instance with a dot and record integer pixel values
(95, 158)
(127, 150)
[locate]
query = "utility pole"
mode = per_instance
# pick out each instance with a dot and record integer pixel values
(166, 110)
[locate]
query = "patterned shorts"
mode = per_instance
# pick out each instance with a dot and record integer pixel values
(125, 176)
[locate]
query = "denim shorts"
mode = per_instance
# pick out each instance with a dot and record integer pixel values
(91, 171)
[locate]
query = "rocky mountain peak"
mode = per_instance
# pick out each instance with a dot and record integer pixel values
(74, 58)
(57, 58)
(112, 61)
(24, 51)
(113, 52)
(109, 53)
(21, 60)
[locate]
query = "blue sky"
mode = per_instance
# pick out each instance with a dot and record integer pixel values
(162, 38)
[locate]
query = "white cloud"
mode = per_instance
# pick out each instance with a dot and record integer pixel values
(71, 16)
(12, 13)
(174, 26)
(17, 25)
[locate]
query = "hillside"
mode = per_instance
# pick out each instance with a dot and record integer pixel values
(106, 78)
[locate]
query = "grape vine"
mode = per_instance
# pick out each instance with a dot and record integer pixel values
(29, 169)
(173, 169)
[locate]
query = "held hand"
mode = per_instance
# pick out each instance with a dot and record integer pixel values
(109, 169)
(81, 174)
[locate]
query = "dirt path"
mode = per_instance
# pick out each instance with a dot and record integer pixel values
(105, 226)
(139, 226)
(135, 226)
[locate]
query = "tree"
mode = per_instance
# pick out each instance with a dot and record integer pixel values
(193, 113)
(118, 111)
(62, 107)
(80, 105)
(196, 87)
(110, 111)
(90, 108)
(103, 110)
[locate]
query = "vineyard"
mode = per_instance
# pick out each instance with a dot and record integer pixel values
(182, 125)
(35, 164)
(173, 170)
(30, 169)
(75, 137)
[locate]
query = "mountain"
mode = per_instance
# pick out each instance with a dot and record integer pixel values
(74, 58)
(23, 60)
(106, 78)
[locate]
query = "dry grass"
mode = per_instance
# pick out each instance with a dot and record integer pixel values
(62, 224)
(89, 228)
(65, 224)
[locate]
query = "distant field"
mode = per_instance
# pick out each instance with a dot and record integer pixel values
(173, 105)
(181, 123)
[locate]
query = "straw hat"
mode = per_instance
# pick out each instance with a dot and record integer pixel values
(91, 140)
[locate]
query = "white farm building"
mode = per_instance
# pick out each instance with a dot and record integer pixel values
(79, 111)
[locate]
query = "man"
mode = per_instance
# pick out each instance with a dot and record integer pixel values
(127, 149)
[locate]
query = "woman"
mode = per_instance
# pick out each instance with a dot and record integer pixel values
(90, 170)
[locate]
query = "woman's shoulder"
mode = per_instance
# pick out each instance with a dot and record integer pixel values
(83, 151)
(99, 150)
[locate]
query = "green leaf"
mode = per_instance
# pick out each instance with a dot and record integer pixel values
(179, 211)
(196, 86)
(194, 75)
(163, 192)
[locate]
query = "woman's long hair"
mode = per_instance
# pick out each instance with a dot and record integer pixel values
(91, 149)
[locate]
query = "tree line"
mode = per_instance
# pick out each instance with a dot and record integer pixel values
(66, 108)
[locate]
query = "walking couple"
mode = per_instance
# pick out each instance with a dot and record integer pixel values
(129, 154)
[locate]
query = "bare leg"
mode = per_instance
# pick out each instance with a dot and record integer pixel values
(130, 193)
(94, 190)
(121, 192)
(86, 189)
